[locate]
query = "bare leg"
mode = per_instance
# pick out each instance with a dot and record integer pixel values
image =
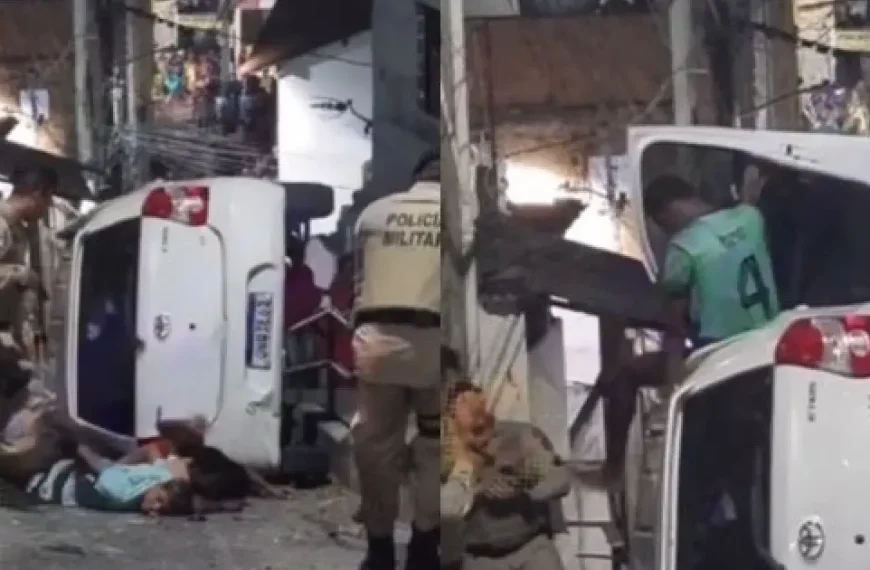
(648, 370)
(261, 488)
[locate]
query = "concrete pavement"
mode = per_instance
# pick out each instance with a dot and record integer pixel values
(310, 531)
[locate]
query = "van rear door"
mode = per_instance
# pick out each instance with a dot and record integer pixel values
(181, 320)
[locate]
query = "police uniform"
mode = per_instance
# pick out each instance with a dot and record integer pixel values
(396, 344)
(20, 409)
(510, 508)
(13, 270)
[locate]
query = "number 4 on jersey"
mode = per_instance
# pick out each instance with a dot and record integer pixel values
(752, 288)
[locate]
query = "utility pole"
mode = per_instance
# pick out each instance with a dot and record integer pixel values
(682, 40)
(84, 129)
(132, 95)
(459, 201)
(782, 67)
(226, 16)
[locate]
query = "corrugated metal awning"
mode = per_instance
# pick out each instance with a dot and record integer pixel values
(515, 260)
(71, 183)
(296, 27)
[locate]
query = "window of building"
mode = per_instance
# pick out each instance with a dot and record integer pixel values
(198, 6)
(429, 60)
(543, 8)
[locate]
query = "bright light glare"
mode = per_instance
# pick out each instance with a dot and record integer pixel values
(531, 185)
(595, 227)
(24, 134)
(86, 206)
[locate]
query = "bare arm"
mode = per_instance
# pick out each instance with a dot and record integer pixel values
(137, 456)
(96, 462)
(753, 182)
(262, 488)
(11, 274)
(457, 491)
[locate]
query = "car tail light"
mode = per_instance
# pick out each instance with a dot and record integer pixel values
(835, 344)
(185, 204)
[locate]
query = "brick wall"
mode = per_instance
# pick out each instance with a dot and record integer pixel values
(37, 35)
(578, 78)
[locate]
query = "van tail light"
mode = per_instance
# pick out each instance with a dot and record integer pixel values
(186, 205)
(840, 345)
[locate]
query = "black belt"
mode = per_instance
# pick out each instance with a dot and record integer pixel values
(488, 551)
(412, 317)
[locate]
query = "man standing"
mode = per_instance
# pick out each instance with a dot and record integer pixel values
(27, 204)
(719, 280)
(396, 345)
(29, 201)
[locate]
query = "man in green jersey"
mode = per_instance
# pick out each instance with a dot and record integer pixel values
(717, 274)
(717, 263)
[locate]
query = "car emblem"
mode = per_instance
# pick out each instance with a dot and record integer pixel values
(811, 540)
(162, 327)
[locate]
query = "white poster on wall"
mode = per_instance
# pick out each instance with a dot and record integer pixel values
(34, 103)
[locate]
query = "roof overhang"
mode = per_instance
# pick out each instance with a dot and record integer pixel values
(296, 27)
(71, 180)
(517, 260)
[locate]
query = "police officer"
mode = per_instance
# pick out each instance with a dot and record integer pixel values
(29, 201)
(396, 344)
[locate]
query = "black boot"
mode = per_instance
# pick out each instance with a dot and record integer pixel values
(423, 550)
(381, 554)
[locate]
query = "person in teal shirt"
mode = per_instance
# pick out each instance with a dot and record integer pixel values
(718, 277)
(717, 268)
(93, 482)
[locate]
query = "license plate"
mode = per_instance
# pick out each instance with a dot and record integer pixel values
(258, 344)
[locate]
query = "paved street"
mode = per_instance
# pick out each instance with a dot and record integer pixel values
(311, 531)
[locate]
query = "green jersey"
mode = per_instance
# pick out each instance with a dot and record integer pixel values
(721, 263)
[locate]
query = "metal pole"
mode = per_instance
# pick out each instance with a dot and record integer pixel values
(681, 34)
(132, 90)
(226, 17)
(783, 67)
(459, 202)
(84, 138)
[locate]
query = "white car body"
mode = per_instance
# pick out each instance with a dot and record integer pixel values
(209, 315)
(820, 464)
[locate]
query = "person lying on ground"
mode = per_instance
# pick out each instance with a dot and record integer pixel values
(53, 438)
(213, 475)
(93, 482)
(505, 481)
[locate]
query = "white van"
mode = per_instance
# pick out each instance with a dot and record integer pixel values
(176, 308)
(761, 459)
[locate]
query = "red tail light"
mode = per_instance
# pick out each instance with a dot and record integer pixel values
(835, 344)
(186, 205)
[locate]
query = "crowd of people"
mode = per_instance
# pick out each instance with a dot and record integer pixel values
(192, 79)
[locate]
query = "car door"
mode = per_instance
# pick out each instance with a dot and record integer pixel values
(181, 315)
(842, 157)
(835, 155)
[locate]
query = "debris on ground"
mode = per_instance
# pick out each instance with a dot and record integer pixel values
(312, 530)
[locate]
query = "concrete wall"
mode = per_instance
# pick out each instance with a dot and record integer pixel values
(402, 131)
(324, 146)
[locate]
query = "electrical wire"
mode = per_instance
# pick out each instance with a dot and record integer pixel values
(229, 36)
